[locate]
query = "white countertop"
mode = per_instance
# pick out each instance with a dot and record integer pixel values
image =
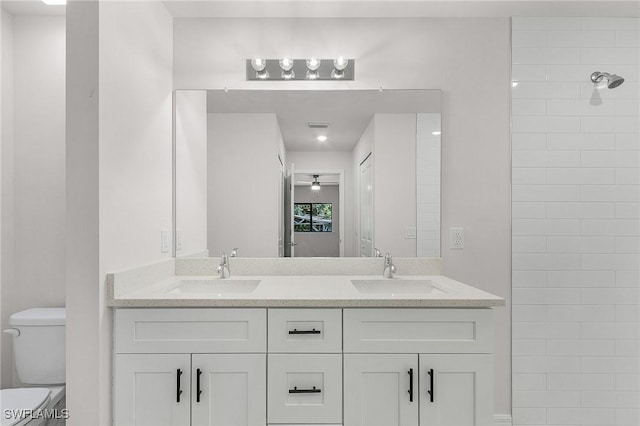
(303, 291)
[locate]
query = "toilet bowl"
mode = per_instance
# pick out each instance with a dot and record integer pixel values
(41, 400)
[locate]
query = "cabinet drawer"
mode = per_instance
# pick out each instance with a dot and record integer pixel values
(304, 388)
(418, 331)
(305, 330)
(190, 330)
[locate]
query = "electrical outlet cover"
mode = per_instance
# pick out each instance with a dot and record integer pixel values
(456, 238)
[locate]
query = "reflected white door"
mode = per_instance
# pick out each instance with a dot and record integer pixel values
(366, 207)
(281, 218)
(289, 200)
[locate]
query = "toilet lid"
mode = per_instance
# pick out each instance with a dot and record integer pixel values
(21, 399)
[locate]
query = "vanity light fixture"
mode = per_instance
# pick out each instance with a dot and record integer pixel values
(287, 69)
(315, 186)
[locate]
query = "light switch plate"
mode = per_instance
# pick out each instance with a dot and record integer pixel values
(410, 233)
(456, 238)
(164, 241)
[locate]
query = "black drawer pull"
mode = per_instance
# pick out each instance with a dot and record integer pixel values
(198, 391)
(178, 390)
(296, 331)
(410, 372)
(431, 390)
(296, 390)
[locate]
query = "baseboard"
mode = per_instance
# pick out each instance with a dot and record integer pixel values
(502, 420)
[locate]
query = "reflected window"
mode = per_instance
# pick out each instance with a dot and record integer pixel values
(313, 217)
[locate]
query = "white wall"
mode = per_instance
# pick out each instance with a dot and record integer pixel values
(191, 171)
(211, 53)
(243, 176)
(33, 168)
(576, 188)
(119, 174)
(394, 169)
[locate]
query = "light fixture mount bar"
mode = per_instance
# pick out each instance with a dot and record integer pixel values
(327, 71)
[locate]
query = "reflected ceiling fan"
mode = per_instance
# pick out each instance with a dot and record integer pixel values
(315, 184)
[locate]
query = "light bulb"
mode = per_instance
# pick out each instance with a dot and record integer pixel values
(340, 64)
(287, 75)
(313, 63)
(315, 186)
(322, 138)
(258, 64)
(286, 64)
(336, 74)
(312, 75)
(436, 133)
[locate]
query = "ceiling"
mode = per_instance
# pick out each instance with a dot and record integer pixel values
(348, 111)
(32, 7)
(397, 8)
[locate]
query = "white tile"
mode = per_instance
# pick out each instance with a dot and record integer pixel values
(600, 93)
(627, 244)
(529, 381)
(609, 193)
(546, 296)
(528, 72)
(528, 347)
(546, 227)
(618, 365)
(628, 38)
(627, 210)
(628, 176)
(549, 55)
(547, 90)
(529, 278)
(528, 23)
(546, 364)
(630, 107)
(528, 141)
(601, 23)
(545, 192)
(545, 124)
(581, 210)
(581, 38)
(529, 38)
(597, 416)
(523, 176)
(583, 142)
(528, 210)
(580, 245)
(627, 313)
(546, 158)
(598, 381)
(609, 330)
(546, 399)
(627, 417)
(578, 107)
(581, 347)
(627, 278)
(613, 296)
(529, 416)
(525, 313)
(607, 55)
(528, 107)
(529, 244)
(609, 158)
(581, 278)
(563, 416)
(546, 262)
(614, 227)
(628, 347)
(618, 261)
(582, 313)
(610, 124)
(579, 72)
(580, 176)
(560, 381)
(628, 142)
(610, 399)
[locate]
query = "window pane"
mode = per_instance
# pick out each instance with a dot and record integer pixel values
(302, 217)
(322, 214)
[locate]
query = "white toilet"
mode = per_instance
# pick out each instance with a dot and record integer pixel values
(39, 354)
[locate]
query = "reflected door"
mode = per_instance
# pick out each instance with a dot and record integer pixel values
(366, 207)
(289, 225)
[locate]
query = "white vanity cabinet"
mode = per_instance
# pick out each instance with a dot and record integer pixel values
(190, 367)
(431, 367)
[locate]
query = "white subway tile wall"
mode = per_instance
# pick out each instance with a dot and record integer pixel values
(576, 222)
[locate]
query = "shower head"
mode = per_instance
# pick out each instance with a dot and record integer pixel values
(613, 80)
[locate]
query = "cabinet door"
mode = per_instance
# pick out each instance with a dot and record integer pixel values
(149, 389)
(232, 389)
(377, 389)
(456, 390)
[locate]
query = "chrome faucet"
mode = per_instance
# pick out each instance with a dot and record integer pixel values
(223, 267)
(389, 268)
(234, 252)
(377, 252)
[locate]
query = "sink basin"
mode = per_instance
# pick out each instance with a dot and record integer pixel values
(214, 286)
(396, 286)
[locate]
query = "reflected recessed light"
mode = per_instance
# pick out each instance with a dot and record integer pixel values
(436, 133)
(55, 2)
(514, 84)
(322, 138)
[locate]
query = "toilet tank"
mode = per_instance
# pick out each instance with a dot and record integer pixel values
(39, 348)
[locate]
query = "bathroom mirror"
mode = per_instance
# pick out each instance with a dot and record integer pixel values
(307, 173)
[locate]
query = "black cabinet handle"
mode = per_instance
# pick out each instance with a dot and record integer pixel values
(431, 390)
(410, 372)
(178, 390)
(296, 390)
(198, 391)
(296, 331)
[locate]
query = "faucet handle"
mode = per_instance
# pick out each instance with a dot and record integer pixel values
(234, 252)
(377, 252)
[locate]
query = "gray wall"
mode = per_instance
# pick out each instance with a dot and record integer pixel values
(319, 244)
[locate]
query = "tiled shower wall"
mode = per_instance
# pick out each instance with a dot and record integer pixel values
(575, 222)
